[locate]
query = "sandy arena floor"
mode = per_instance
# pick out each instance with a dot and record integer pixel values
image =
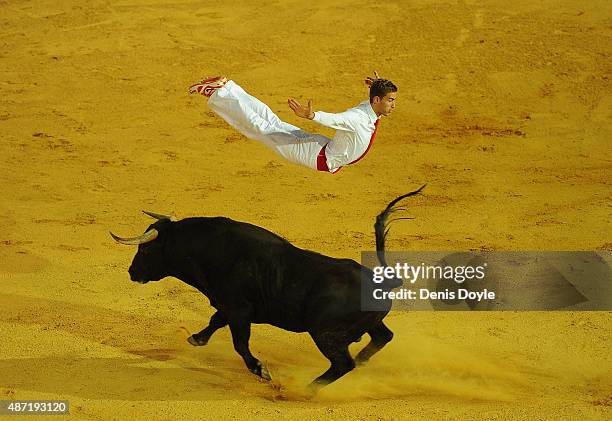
(504, 109)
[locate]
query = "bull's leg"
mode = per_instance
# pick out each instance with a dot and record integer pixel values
(241, 332)
(217, 321)
(336, 351)
(381, 335)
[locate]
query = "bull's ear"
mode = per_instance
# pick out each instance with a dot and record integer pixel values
(159, 216)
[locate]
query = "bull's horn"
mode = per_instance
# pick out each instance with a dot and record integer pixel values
(160, 216)
(147, 237)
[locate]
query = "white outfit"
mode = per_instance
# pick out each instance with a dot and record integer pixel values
(254, 119)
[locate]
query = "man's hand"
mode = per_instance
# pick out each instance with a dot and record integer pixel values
(369, 80)
(301, 110)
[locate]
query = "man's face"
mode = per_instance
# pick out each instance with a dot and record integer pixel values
(384, 105)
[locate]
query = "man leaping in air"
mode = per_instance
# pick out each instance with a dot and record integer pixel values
(355, 127)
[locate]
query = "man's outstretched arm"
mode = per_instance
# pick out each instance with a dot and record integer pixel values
(304, 111)
(340, 121)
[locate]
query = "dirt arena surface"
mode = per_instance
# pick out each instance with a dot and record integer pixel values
(504, 109)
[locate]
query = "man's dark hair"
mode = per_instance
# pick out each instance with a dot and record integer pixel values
(381, 87)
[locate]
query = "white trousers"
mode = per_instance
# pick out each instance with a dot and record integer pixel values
(257, 121)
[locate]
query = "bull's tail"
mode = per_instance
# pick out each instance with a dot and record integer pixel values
(381, 227)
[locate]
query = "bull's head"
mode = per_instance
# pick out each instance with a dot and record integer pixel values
(148, 264)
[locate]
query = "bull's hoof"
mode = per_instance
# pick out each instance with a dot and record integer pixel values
(193, 340)
(262, 371)
(312, 390)
(359, 362)
(265, 373)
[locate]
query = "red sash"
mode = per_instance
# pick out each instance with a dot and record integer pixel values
(322, 160)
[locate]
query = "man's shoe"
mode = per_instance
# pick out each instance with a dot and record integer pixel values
(208, 86)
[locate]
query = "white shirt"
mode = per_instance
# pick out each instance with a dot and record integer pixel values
(354, 129)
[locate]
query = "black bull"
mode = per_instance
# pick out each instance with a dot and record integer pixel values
(251, 275)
